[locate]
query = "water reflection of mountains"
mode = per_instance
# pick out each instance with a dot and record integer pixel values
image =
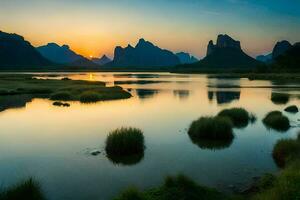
(223, 97)
(150, 93)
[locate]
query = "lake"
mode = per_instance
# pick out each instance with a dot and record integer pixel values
(53, 144)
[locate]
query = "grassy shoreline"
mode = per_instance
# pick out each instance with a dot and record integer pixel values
(64, 89)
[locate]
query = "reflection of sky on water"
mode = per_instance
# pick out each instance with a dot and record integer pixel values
(50, 142)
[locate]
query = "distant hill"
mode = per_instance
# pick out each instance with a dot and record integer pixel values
(64, 55)
(144, 54)
(280, 48)
(186, 58)
(225, 54)
(265, 58)
(290, 59)
(102, 61)
(17, 53)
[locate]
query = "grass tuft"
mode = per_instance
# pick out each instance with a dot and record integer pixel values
(286, 150)
(239, 116)
(212, 128)
(28, 189)
(125, 142)
(277, 121)
(178, 187)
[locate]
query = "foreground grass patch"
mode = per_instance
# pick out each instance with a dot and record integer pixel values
(285, 186)
(239, 116)
(179, 187)
(60, 90)
(125, 145)
(277, 121)
(27, 190)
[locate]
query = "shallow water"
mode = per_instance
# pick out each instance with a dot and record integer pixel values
(52, 143)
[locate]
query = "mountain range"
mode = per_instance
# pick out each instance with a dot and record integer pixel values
(144, 54)
(63, 55)
(17, 53)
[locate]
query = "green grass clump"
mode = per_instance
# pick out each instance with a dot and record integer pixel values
(239, 116)
(63, 96)
(212, 128)
(280, 98)
(28, 189)
(285, 187)
(277, 121)
(291, 109)
(89, 97)
(285, 151)
(179, 187)
(125, 142)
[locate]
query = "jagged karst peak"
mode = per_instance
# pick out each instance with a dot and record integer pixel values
(223, 41)
(280, 48)
(144, 54)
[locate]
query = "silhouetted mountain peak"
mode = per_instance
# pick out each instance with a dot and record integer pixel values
(223, 41)
(144, 44)
(11, 36)
(17, 52)
(280, 48)
(65, 46)
(143, 54)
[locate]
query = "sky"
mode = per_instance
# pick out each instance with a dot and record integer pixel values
(95, 27)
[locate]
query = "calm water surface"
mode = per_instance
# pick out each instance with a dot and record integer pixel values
(53, 144)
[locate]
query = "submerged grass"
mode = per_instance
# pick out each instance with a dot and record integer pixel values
(178, 187)
(59, 90)
(212, 128)
(277, 121)
(125, 142)
(239, 116)
(27, 190)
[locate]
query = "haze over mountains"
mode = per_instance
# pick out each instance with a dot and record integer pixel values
(186, 58)
(101, 61)
(17, 53)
